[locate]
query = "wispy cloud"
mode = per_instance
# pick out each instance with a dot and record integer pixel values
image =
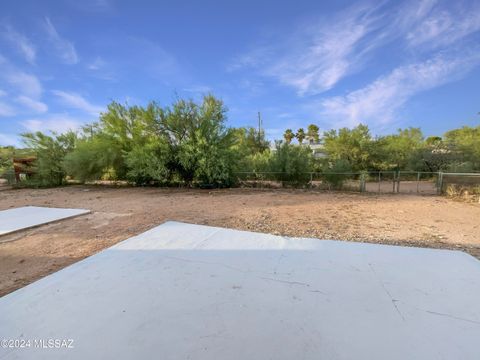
(32, 104)
(64, 48)
(93, 5)
(323, 51)
(326, 53)
(97, 64)
(200, 89)
(23, 88)
(20, 81)
(26, 84)
(443, 27)
(101, 69)
(21, 43)
(77, 101)
(6, 110)
(378, 102)
(59, 123)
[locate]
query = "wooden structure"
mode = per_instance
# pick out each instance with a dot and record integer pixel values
(23, 166)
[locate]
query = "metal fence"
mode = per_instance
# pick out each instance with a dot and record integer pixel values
(406, 182)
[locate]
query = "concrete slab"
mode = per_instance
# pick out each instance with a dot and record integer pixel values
(183, 291)
(22, 218)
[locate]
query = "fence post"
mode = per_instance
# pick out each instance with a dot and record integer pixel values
(394, 180)
(398, 181)
(418, 182)
(311, 180)
(440, 182)
(362, 182)
(379, 181)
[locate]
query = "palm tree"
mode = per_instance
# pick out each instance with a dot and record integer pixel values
(300, 135)
(312, 133)
(288, 136)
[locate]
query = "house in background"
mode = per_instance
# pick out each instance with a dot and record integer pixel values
(316, 147)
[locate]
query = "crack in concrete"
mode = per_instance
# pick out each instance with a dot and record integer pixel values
(394, 301)
(239, 270)
(285, 281)
(452, 317)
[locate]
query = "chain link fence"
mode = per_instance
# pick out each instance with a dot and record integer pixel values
(406, 182)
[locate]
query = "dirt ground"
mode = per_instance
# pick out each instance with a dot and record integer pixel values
(119, 213)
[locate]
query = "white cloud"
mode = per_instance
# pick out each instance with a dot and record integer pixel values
(202, 89)
(325, 53)
(77, 101)
(379, 101)
(254, 58)
(322, 52)
(27, 84)
(22, 43)
(35, 105)
(65, 49)
(444, 27)
(58, 123)
(6, 110)
(100, 69)
(93, 5)
(96, 64)
(23, 88)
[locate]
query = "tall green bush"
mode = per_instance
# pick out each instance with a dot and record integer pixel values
(92, 158)
(291, 164)
(149, 164)
(337, 173)
(50, 152)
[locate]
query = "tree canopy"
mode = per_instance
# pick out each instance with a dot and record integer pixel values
(189, 143)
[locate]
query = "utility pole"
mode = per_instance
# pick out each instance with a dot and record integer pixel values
(259, 128)
(259, 123)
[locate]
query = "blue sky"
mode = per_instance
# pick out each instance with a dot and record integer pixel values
(387, 64)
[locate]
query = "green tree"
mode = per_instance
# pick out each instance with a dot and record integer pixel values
(353, 145)
(337, 173)
(465, 142)
(288, 136)
(50, 153)
(248, 147)
(6, 157)
(250, 141)
(103, 145)
(291, 163)
(94, 157)
(312, 133)
(401, 147)
(149, 164)
(300, 135)
(200, 143)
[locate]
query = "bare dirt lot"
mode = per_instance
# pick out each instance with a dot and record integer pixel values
(119, 213)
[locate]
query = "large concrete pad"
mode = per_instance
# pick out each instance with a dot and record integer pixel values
(183, 291)
(22, 218)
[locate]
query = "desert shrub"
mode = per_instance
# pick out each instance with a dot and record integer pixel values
(94, 157)
(50, 153)
(337, 173)
(6, 155)
(291, 164)
(200, 144)
(463, 192)
(148, 164)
